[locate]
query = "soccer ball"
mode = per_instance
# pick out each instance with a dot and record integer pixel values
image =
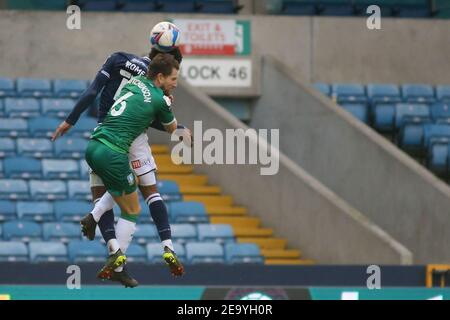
(165, 36)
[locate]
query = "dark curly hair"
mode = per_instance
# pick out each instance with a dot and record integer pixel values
(176, 53)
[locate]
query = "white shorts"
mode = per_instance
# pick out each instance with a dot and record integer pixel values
(141, 161)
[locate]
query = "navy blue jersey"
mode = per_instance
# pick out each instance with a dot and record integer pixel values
(113, 75)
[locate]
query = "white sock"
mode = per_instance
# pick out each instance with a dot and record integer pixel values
(113, 246)
(167, 243)
(124, 234)
(105, 203)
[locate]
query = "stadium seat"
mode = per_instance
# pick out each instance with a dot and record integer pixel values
(440, 112)
(22, 167)
(37, 148)
(188, 211)
(13, 251)
(335, 7)
(436, 132)
(19, 230)
(7, 210)
(155, 251)
(243, 253)
(411, 137)
(57, 107)
(175, 6)
(413, 9)
(169, 190)
(48, 252)
(65, 88)
(216, 6)
(98, 5)
(405, 112)
(22, 107)
(13, 127)
(384, 117)
(34, 87)
(84, 169)
(60, 169)
(139, 6)
(204, 252)
(418, 93)
(7, 88)
(136, 253)
(79, 189)
(13, 189)
(437, 158)
(298, 7)
(145, 233)
(386, 6)
(71, 210)
(48, 190)
(443, 93)
(383, 94)
(220, 233)
(7, 147)
(183, 232)
(63, 232)
(83, 128)
(359, 110)
(86, 251)
(43, 126)
(348, 93)
(35, 210)
(1, 170)
(2, 109)
(70, 147)
(324, 88)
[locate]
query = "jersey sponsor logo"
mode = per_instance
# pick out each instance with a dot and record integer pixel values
(130, 179)
(136, 164)
(133, 67)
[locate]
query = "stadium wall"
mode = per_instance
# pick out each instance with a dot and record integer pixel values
(327, 49)
(358, 164)
(296, 205)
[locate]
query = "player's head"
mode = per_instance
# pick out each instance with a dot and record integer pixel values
(163, 71)
(176, 53)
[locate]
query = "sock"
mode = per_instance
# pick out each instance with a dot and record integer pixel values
(105, 203)
(113, 245)
(167, 243)
(106, 226)
(125, 228)
(159, 214)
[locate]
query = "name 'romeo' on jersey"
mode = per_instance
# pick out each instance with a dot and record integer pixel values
(139, 103)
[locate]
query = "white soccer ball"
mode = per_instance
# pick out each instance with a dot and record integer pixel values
(165, 36)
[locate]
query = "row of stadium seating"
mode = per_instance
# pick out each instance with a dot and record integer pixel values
(78, 251)
(29, 87)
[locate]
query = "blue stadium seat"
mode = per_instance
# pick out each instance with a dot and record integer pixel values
(145, 216)
(139, 6)
(71, 210)
(217, 6)
(169, 190)
(13, 127)
(383, 93)
(7, 147)
(7, 88)
(436, 133)
(71, 147)
(145, 233)
(43, 126)
(63, 231)
(155, 251)
(443, 93)
(440, 112)
(65, 88)
(411, 137)
(37, 148)
(418, 93)
(22, 107)
(1, 170)
(7, 210)
(98, 5)
(359, 110)
(183, 232)
(86, 251)
(2, 109)
(220, 233)
(437, 158)
(84, 169)
(188, 211)
(349, 93)
(79, 189)
(405, 112)
(34, 87)
(413, 9)
(48, 190)
(22, 167)
(243, 253)
(60, 169)
(83, 128)
(13, 251)
(386, 6)
(324, 88)
(24, 231)
(57, 107)
(13, 189)
(204, 252)
(335, 7)
(176, 5)
(48, 252)
(38, 211)
(136, 253)
(384, 117)
(302, 7)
